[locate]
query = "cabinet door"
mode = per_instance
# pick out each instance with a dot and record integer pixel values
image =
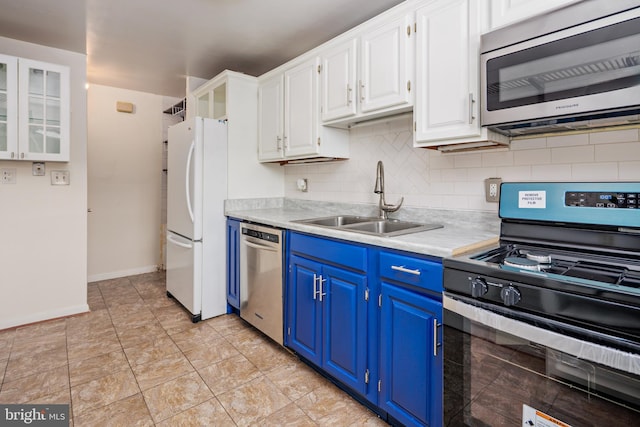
(305, 310)
(270, 119)
(8, 107)
(345, 330)
(410, 365)
(339, 81)
(233, 263)
(43, 111)
(385, 68)
(301, 109)
(447, 88)
(505, 12)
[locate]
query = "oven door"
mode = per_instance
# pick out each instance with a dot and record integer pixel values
(590, 67)
(493, 377)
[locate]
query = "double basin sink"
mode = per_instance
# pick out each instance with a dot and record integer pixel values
(369, 225)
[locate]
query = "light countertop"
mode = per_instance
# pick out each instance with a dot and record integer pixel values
(463, 231)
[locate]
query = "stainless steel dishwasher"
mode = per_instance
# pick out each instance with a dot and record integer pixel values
(261, 279)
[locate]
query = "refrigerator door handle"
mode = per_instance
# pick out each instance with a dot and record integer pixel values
(186, 181)
(176, 242)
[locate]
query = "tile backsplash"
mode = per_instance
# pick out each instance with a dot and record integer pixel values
(429, 179)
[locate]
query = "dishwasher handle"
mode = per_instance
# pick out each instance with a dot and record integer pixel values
(262, 247)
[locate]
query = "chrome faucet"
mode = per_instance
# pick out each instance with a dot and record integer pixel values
(379, 189)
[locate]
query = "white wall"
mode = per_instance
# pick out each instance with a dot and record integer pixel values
(430, 179)
(43, 229)
(125, 176)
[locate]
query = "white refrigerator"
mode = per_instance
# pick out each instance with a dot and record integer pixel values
(196, 191)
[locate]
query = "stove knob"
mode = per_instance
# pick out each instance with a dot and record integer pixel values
(478, 287)
(510, 295)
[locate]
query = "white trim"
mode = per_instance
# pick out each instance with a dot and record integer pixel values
(44, 315)
(122, 273)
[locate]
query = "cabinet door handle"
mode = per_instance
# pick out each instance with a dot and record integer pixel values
(315, 285)
(321, 281)
(349, 90)
(404, 269)
(279, 142)
(435, 337)
(361, 92)
(471, 102)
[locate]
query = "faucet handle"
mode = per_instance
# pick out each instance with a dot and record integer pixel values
(392, 208)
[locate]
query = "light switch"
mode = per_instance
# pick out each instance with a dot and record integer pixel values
(59, 177)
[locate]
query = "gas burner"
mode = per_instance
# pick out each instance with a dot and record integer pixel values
(541, 257)
(522, 263)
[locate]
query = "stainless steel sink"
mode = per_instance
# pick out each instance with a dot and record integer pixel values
(337, 221)
(370, 225)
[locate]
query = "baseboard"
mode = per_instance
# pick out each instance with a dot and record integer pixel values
(122, 273)
(43, 315)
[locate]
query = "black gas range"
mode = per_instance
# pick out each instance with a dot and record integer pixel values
(568, 260)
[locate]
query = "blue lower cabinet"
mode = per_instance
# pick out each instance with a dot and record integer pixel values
(370, 319)
(327, 309)
(304, 332)
(233, 263)
(345, 326)
(410, 356)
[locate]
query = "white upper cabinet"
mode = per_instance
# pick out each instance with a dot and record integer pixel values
(301, 109)
(34, 110)
(289, 117)
(339, 81)
(448, 77)
(8, 107)
(270, 119)
(504, 12)
(369, 74)
(43, 111)
(386, 66)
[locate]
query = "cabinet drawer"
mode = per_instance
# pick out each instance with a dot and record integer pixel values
(412, 271)
(345, 254)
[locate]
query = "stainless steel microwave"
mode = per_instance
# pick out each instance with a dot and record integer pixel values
(576, 67)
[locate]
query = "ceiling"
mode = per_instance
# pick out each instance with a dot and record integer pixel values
(151, 45)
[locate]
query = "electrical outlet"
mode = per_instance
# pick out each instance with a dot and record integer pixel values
(8, 175)
(492, 189)
(59, 177)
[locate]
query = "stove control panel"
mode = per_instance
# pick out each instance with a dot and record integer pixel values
(599, 199)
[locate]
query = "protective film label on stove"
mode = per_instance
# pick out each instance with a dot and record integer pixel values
(532, 199)
(531, 417)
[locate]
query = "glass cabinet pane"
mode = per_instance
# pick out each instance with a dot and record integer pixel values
(3, 77)
(36, 81)
(3, 107)
(53, 84)
(53, 112)
(36, 139)
(36, 110)
(53, 140)
(3, 137)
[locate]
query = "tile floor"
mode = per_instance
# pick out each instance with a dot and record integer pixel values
(137, 360)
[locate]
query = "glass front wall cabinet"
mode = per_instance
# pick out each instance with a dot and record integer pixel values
(8, 107)
(43, 111)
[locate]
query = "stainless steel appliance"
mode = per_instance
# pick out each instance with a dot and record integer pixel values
(573, 68)
(196, 190)
(548, 320)
(261, 279)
